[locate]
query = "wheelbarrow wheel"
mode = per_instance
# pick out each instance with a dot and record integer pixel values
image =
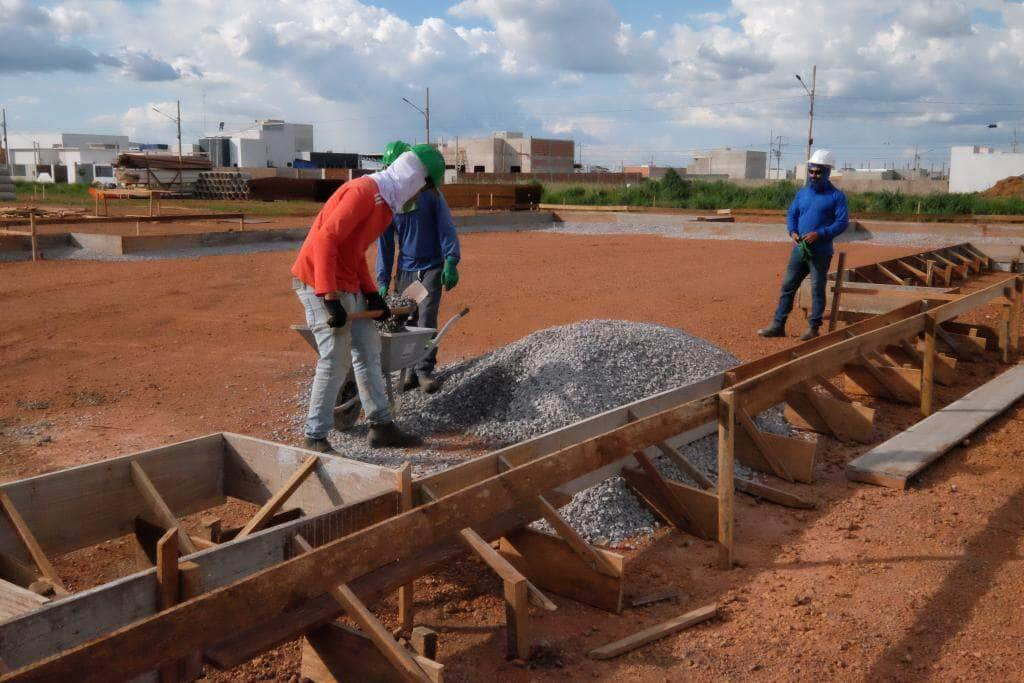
(344, 420)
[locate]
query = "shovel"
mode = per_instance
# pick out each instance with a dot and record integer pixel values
(415, 291)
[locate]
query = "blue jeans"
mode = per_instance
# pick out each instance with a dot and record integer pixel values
(796, 271)
(358, 338)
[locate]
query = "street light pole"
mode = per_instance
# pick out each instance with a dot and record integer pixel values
(425, 113)
(810, 94)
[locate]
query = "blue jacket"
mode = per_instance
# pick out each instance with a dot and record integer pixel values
(426, 237)
(818, 207)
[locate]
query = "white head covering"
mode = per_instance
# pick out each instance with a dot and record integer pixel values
(400, 181)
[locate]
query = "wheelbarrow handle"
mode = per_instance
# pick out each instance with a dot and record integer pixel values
(433, 343)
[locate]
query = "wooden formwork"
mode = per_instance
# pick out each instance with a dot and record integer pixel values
(289, 580)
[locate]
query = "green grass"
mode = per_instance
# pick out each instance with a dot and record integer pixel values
(674, 191)
(55, 193)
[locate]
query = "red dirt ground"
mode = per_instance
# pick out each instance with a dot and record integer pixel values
(101, 359)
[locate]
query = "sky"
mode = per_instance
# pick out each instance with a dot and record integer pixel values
(630, 81)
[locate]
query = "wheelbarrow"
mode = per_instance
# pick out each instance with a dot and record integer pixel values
(400, 352)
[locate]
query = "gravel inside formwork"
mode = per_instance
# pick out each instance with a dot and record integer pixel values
(551, 379)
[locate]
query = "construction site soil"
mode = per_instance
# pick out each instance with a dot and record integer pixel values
(101, 359)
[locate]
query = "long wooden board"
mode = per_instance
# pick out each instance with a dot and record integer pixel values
(894, 462)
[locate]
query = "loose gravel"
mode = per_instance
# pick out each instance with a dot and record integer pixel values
(548, 380)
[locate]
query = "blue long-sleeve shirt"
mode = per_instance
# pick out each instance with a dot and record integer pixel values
(426, 237)
(819, 209)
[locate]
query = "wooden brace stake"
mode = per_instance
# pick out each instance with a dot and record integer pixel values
(158, 507)
(28, 539)
(278, 499)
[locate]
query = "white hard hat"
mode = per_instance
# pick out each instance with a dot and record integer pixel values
(823, 157)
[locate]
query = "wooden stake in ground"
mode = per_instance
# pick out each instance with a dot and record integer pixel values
(837, 289)
(928, 367)
(159, 508)
(31, 544)
(648, 635)
(405, 595)
(264, 514)
(726, 452)
(32, 229)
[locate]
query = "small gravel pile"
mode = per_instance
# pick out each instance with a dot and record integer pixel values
(551, 379)
(398, 321)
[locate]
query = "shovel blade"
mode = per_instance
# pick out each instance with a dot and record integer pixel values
(415, 291)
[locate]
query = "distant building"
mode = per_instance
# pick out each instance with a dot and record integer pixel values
(729, 163)
(975, 169)
(66, 157)
(270, 143)
(509, 152)
(653, 172)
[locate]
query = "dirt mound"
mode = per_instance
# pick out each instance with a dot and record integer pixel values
(1007, 187)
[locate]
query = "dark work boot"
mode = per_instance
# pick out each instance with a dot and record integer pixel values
(410, 382)
(388, 435)
(811, 333)
(428, 384)
(773, 330)
(318, 445)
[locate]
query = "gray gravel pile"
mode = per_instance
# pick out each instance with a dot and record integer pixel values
(396, 322)
(551, 379)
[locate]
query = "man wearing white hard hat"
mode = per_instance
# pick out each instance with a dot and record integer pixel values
(817, 215)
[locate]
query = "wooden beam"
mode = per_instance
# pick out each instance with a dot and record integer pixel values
(726, 446)
(517, 620)
(399, 657)
(503, 568)
(141, 646)
(15, 600)
(656, 632)
(923, 277)
(891, 275)
(684, 465)
(158, 507)
(586, 552)
(30, 543)
(702, 504)
(772, 494)
(762, 444)
(928, 368)
(678, 507)
(837, 289)
(336, 653)
(167, 585)
(406, 601)
(549, 562)
(263, 515)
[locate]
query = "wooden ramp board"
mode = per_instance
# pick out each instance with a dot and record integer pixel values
(893, 462)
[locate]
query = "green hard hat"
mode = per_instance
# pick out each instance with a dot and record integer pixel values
(432, 161)
(392, 151)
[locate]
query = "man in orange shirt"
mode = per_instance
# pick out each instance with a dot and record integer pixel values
(332, 280)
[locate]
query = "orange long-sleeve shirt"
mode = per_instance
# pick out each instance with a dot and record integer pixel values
(333, 256)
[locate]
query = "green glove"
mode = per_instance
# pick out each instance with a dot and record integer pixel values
(450, 274)
(805, 251)
(383, 291)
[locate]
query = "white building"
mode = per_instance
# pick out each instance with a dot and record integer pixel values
(508, 152)
(270, 143)
(66, 157)
(975, 169)
(729, 163)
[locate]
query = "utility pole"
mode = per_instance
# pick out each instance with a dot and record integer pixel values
(810, 116)
(7, 148)
(178, 121)
(425, 112)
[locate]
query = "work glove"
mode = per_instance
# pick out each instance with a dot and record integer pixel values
(383, 291)
(449, 274)
(337, 316)
(375, 302)
(805, 251)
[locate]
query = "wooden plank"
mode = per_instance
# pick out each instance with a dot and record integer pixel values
(923, 277)
(944, 366)
(670, 593)
(158, 507)
(142, 645)
(167, 585)
(15, 600)
(279, 498)
(684, 465)
(847, 421)
(928, 368)
(30, 542)
(885, 382)
(503, 568)
(837, 289)
(517, 620)
(656, 632)
(702, 504)
(772, 494)
(103, 501)
(406, 601)
(891, 275)
(762, 444)
(397, 656)
(586, 552)
(894, 462)
(336, 653)
(727, 405)
(665, 493)
(798, 454)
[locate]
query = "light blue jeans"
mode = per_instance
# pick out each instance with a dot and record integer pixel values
(358, 337)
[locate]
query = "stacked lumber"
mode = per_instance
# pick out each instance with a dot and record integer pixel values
(222, 185)
(162, 161)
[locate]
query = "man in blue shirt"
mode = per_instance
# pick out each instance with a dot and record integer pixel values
(428, 247)
(817, 215)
